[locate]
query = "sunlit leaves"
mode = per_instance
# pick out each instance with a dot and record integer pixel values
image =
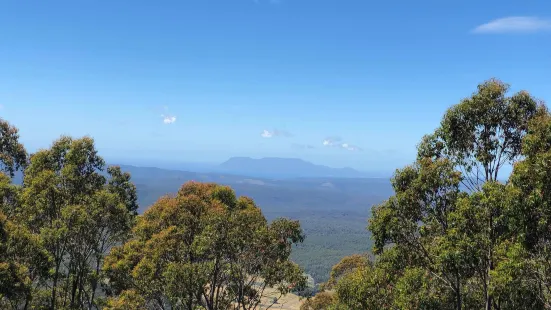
(483, 132)
(205, 247)
(484, 248)
(78, 214)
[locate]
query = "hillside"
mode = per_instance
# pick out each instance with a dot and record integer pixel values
(332, 211)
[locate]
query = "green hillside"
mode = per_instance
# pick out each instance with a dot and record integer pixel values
(334, 218)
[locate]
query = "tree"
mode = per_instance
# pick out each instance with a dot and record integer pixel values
(322, 301)
(365, 288)
(205, 248)
(453, 236)
(483, 132)
(23, 260)
(128, 300)
(12, 153)
(416, 222)
(531, 218)
(78, 214)
(347, 265)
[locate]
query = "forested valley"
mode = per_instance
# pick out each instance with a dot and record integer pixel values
(468, 227)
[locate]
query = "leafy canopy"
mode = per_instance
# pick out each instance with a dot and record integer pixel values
(206, 248)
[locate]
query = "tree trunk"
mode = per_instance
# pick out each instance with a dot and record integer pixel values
(95, 284)
(458, 295)
(54, 286)
(489, 297)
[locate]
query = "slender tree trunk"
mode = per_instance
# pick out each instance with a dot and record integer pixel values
(95, 284)
(70, 271)
(488, 302)
(80, 288)
(54, 285)
(459, 302)
(489, 297)
(74, 290)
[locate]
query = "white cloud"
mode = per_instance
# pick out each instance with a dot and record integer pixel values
(337, 142)
(350, 147)
(515, 24)
(168, 119)
(331, 141)
(275, 133)
(266, 134)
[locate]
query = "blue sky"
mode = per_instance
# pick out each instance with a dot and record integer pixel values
(203, 80)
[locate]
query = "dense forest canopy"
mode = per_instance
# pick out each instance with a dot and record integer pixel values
(451, 237)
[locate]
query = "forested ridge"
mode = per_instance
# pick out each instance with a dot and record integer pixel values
(453, 236)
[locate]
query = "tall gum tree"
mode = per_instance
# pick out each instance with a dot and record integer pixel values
(483, 132)
(79, 215)
(449, 234)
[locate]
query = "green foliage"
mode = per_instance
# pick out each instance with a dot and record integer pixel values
(12, 153)
(22, 261)
(201, 249)
(70, 237)
(483, 132)
(332, 217)
(78, 214)
(322, 301)
(205, 247)
(365, 288)
(128, 300)
(488, 248)
(347, 265)
(59, 224)
(418, 289)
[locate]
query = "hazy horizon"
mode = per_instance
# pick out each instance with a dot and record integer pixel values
(351, 83)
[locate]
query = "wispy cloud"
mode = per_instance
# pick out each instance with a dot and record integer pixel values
(515, 24)
(275, 133)
(338, 142)
(331, 141)
(168, 119)
(266, 134)
(350, 147)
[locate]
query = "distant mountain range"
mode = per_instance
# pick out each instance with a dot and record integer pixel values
(274, 167)
(268, 167)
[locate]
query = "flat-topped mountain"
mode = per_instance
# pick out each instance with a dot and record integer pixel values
(284, 168)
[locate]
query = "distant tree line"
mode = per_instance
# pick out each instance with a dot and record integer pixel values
(70, 238)
(453, 236)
